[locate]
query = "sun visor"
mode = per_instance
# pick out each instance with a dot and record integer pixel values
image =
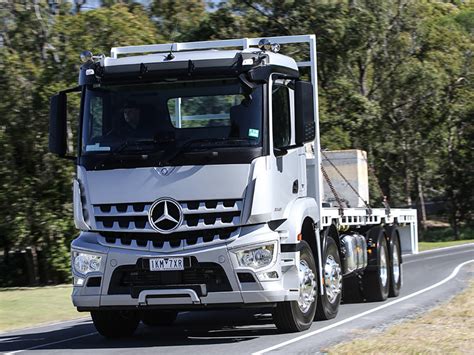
(172, 69)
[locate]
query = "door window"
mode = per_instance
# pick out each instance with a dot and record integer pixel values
(281, 116)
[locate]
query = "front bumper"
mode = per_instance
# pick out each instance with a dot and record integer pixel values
(240, 291)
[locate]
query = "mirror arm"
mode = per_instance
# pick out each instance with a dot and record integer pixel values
(280, 151)
(294, 146)
(74, 89)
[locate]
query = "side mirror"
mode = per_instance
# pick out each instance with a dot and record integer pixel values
(305, 126)
(58, 124)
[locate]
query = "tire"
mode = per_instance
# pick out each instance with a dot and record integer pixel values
(115, 324)
(395, 270)
(329, 301)
(296, 316)
(157, 318)
(376, 279)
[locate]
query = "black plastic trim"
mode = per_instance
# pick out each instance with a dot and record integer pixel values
(290, 248)
(234, 155)
(181, 307)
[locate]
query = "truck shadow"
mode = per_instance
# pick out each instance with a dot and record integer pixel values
(191, 328)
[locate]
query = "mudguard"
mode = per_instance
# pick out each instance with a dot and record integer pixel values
(295, 214)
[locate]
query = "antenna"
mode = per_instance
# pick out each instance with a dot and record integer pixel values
(170, 55)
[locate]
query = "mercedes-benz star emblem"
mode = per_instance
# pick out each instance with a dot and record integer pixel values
(165, 215)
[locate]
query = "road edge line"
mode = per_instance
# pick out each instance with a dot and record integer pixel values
(350, 319)
(52, 343)
(443, 248)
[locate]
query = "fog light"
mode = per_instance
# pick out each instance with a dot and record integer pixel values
(266, 276)
(78, 281)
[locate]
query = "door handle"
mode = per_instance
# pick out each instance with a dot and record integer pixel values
(295, 186)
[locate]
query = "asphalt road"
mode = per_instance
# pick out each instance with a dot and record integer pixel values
(428, 279)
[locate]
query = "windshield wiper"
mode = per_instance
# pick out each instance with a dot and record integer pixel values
(227, 140)
(179, 150)
(138, 143)
(125, 145)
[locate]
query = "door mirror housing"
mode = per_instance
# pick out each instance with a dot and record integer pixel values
(305, 126)
(58, 124)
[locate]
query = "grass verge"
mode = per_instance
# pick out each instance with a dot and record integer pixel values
(422, 246)
(447, 329)
(28, 306)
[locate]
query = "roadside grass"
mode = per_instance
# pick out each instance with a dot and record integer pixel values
(422, 246)
(447, 329)
(27, 306)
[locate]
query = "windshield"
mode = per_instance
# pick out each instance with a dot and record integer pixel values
(170, 118)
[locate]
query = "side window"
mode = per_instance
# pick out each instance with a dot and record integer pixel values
(281, 116)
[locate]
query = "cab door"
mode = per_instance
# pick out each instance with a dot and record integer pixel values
(286, 159)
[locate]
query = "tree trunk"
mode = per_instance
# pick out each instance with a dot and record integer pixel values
(32, 266)
(422, 207)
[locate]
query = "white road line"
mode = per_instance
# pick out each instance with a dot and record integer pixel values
(438, 250)
(438, 256)
(363, 314)
(53, 343)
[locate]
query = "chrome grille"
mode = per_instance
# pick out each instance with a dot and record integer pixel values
(198, 215)
(167, 242)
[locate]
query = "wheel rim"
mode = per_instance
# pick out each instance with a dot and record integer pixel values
(396, 264)
(383, 267)
(332, 278)
(307, 286)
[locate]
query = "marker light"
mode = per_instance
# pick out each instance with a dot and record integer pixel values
(86, 56)
(264, 45)
(275, 47)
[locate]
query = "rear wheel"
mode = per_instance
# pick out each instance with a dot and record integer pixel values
(328, 303)
(115, 324)
(156, 318)
(376, 277)
(296, 316)
(395, 266)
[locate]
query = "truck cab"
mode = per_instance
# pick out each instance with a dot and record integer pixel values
(191, 187)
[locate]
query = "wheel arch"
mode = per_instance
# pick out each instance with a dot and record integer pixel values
(372, 236)
(330, 231)
(301, 213)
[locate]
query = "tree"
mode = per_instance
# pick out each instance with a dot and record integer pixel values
(41, 57)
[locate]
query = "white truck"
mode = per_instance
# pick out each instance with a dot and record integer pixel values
(199, 185)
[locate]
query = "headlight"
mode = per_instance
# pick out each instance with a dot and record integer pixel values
(85, 263)
(256, 258)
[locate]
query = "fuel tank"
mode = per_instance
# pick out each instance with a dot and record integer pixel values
(354, 252)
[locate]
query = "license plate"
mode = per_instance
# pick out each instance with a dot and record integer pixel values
(166, 264)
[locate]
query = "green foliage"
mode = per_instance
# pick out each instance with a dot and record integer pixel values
(395, 79)
(35, 199)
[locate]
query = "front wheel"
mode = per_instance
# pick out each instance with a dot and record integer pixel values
(296, 316)
(115, 324)
(328, 303)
